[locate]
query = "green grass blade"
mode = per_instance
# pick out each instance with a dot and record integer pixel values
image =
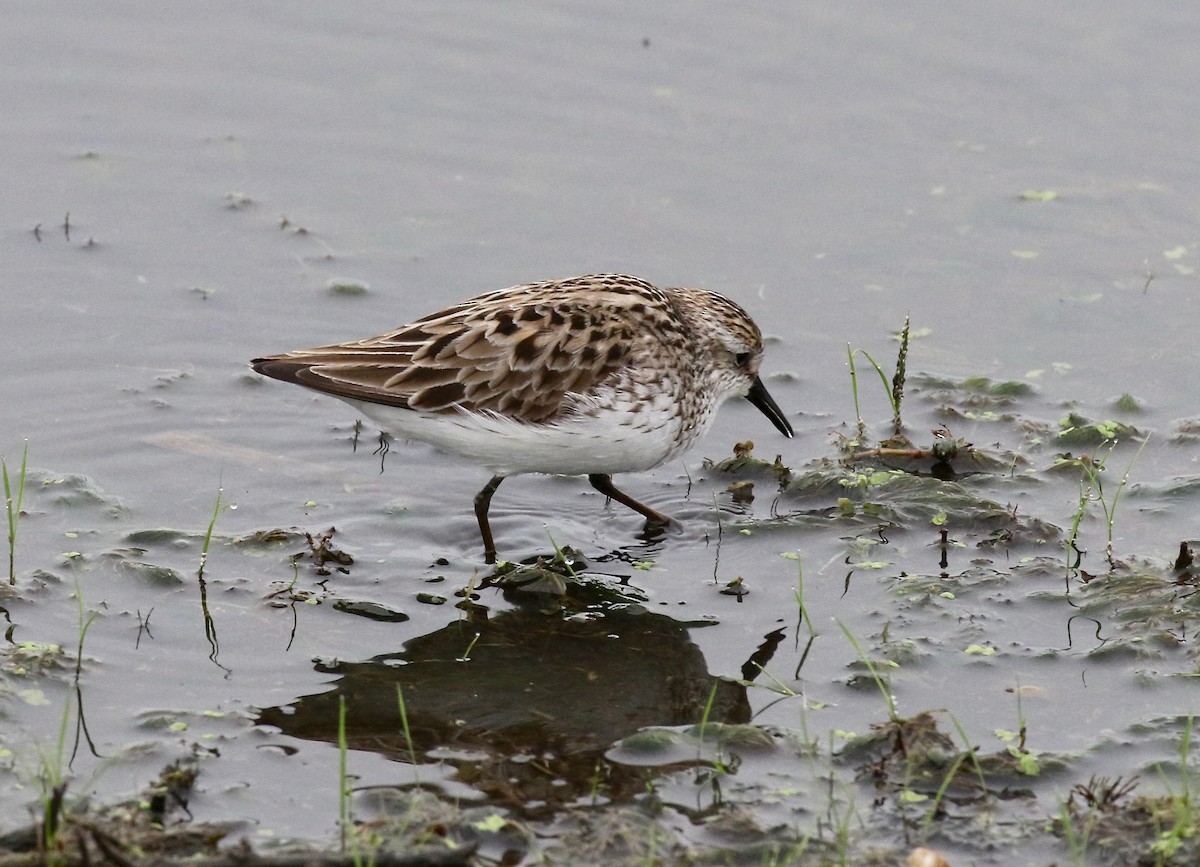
(12, 506)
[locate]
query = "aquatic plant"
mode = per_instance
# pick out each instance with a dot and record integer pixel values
(12, 505)
(894, 389)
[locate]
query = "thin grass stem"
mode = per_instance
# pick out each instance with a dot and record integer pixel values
(12, 506)
(412, 750)
(880, 681)
(343, 778)
(209, 532)
(862, 426)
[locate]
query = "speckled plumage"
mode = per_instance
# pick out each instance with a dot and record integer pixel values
(591, 375)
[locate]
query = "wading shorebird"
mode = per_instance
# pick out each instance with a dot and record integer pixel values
(586, 376)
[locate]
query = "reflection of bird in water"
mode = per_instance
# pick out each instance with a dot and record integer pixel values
(563, 690)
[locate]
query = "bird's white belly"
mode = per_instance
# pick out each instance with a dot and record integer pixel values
(612, 440)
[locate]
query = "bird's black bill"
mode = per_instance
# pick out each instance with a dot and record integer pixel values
(759, 396)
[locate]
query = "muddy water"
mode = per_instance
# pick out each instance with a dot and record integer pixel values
(183, 188)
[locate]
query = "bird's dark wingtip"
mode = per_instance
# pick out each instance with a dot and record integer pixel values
(278, 367)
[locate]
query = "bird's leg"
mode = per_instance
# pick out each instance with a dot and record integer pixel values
(604, 484)
(483, 501)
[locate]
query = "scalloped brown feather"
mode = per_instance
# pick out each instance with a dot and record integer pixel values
(518, 352)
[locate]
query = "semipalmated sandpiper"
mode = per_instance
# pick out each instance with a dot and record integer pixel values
(587, 376)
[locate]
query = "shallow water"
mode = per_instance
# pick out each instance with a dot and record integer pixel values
(832, 169)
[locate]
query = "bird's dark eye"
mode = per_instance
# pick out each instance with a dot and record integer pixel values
(742, 359)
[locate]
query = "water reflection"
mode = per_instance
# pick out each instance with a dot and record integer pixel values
(524, 702)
